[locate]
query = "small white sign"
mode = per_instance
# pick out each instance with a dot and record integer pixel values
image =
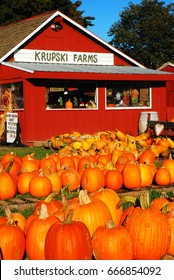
(65, 57)
(11, 126)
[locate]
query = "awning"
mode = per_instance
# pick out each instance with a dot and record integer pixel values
(108, 69)
(89, 72)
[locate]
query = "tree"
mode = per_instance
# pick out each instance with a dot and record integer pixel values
(145, 32)
(14, 10)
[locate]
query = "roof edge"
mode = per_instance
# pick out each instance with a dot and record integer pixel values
(166, 64)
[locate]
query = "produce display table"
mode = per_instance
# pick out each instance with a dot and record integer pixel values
(26, 203)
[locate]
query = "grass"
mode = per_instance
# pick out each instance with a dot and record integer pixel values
(39, 152)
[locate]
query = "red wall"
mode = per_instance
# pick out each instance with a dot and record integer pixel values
(40, 124)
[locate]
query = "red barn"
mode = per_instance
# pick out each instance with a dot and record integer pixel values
(169, 67)
(49, 63)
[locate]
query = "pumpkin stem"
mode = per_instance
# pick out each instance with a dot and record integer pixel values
(110, 224)
(9, 216)
(43, 212)
(83, 197)
(8, 213)
(164, 210)
(10, 165)
(64, 202)
(68, 219)
(128, 198)
(50, 197)
(144, 199)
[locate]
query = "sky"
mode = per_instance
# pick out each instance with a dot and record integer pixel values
(106, 12)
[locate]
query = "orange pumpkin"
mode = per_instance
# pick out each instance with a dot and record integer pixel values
(48, 165)
(146, 175)
(40, 186)
(92, 179)
(162, 176)
(111, 199)
(158, 203)
(36, 234)
(29, 164)
(169, 164)
(149, 242)
(70, 178)
(91, 211)
(8, 188)
(23, 182)
(13, 167)
(170, 219)
(68, 104)
(56, 183)
(149, 231)
(69, 240)
(146, 156)
(132, 176)
(12, 241)
(113, 179)
(112, 242)
(52, 205)
(67, 162)
(19, 219)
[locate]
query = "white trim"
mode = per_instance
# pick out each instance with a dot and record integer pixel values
(57, 13)
(166, 64)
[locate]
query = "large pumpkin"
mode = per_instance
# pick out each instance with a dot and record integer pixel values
(149, 231)
(112, 242)
(69, 240)
(92, 212)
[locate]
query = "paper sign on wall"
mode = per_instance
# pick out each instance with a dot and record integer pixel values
(11, 127)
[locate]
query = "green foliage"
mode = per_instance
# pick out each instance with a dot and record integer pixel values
(145, 32)
(39, 152)
(14, 10)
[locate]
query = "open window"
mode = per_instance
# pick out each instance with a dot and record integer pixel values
(128, 95)
(81, 95)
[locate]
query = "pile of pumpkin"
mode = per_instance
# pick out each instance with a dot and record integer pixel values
(91, 225)
(107, 141)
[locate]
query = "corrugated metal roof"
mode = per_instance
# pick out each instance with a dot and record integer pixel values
(107, 69)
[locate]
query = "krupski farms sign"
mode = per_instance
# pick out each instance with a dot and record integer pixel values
(47, 56)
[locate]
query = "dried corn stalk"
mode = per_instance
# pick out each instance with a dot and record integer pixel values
(9, 103)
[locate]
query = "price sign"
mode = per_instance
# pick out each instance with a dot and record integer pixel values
(11, 127)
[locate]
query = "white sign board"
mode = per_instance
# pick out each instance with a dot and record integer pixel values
(65, 57)
(11, 126)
